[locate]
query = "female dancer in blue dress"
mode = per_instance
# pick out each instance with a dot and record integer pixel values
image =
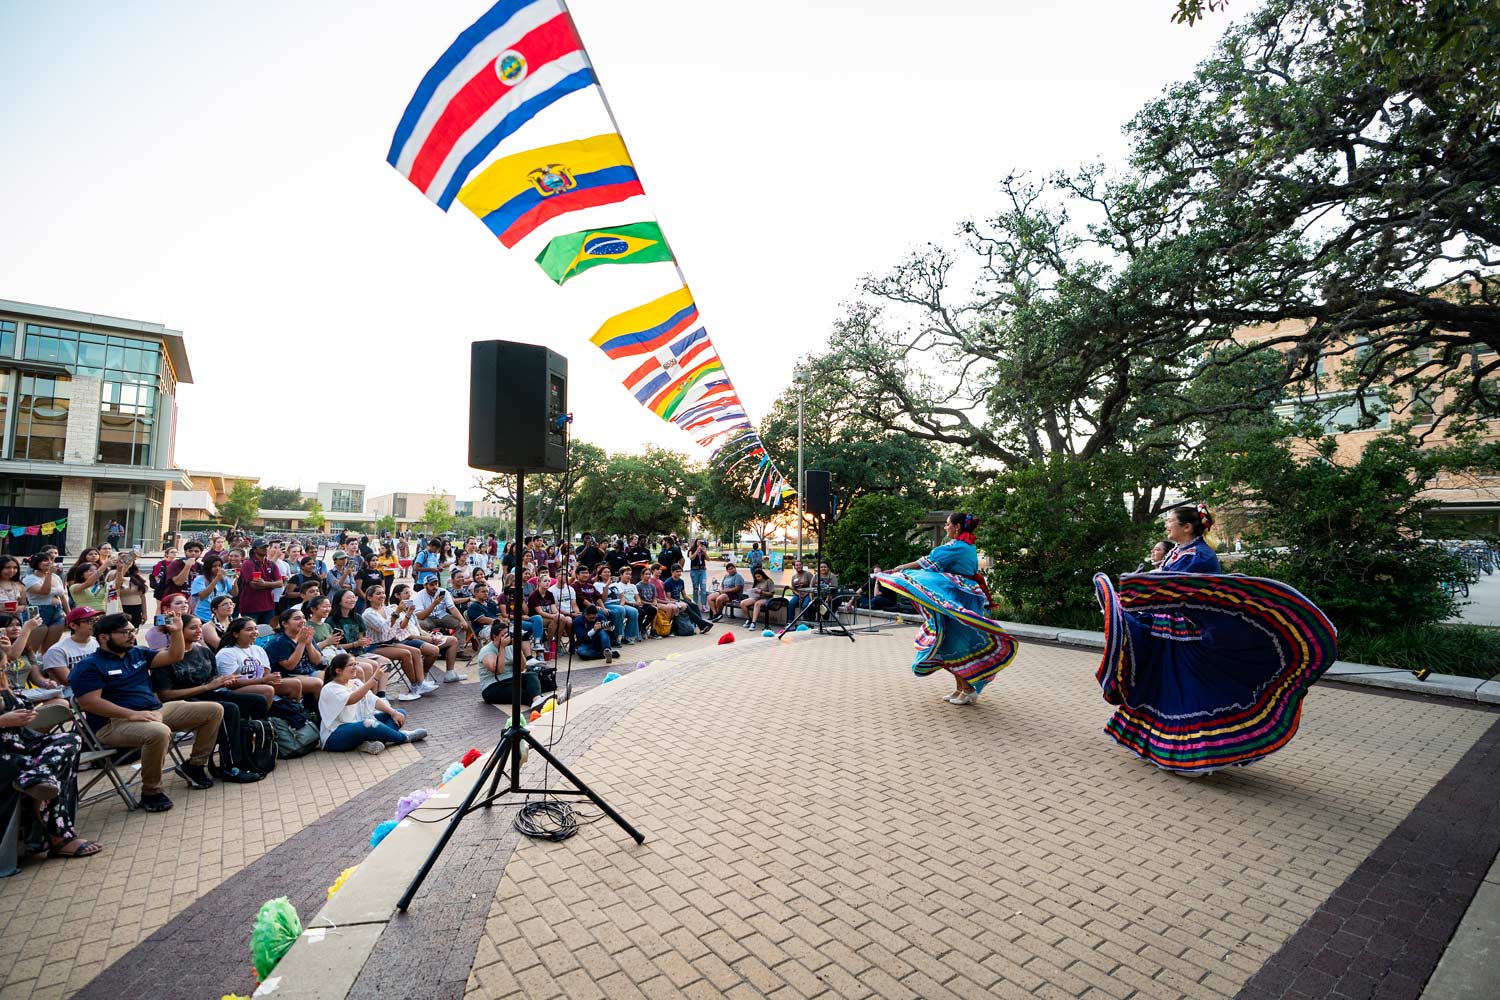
(956, 635)
(1206, 670)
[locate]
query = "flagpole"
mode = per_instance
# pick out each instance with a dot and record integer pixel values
(615, 122)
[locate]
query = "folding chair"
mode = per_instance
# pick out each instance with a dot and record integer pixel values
(105, 761)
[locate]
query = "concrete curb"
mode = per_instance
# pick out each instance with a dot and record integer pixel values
(1452, 686)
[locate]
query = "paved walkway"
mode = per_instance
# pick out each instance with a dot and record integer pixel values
(820, 824)
(227, 850)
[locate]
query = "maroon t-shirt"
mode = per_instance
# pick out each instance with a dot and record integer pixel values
(169, 587)
(253, 601)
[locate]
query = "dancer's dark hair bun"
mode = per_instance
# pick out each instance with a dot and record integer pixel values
(1196, 517)
(965, 522)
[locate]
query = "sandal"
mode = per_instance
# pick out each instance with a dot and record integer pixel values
(81, 849)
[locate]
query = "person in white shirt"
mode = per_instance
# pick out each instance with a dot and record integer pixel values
(475, 559)
(566, 598)
(248, 665)
(351, 716)
(78, 643)
(409, 626)
(411, 654)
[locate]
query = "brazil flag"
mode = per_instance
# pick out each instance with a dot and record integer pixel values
(637, 243)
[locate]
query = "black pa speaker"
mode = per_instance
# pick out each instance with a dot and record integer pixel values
(518, 408)
(817, 492)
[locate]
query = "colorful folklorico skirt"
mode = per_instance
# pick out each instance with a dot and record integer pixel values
(956, 636)
(1208, 670)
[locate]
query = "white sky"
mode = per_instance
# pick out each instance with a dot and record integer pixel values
(220, 167)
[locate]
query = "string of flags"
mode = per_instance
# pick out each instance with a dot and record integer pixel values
(45, 528)
(520, 58)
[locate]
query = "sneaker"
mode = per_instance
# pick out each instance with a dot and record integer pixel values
(534, 662)
(426, 687)
(416, 735)
(409, 696)
(453, 677)
(705, 629)
(749, 624)
(373, 746)
(196, 776)
(240, 776)
(155, 802)
(717, 617)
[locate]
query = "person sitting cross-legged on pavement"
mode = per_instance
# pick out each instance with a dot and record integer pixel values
(495, 674)
(352, 717)
(113, 686)
(591, 635)
(435, 609)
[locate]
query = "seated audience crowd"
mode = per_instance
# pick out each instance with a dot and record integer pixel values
(258, 636)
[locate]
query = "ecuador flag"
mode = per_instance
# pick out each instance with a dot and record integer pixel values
(638, 243)
(517, 193)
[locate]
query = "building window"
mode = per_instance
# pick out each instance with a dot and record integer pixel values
(7, 339)
(135, 505)
(41, 491)
(41, 420)
(347, 501)
(398, 506)
(126, 419)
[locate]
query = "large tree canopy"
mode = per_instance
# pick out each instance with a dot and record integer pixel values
(1334, 168)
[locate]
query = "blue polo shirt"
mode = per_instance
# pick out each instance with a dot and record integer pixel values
(124, 680)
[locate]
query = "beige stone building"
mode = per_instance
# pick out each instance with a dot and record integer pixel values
(88, 418)
(1469, 505)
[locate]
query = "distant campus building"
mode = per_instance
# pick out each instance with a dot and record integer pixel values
(88, 419)
(1468, 506)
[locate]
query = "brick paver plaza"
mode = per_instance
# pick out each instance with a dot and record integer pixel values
(818, 823)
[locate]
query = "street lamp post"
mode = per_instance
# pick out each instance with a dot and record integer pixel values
(692, 506)
(801, 388)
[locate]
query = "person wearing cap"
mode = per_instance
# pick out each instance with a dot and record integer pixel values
(260, 578)
(731, 589)
(343, 575)
(58, 661)
(435, 609)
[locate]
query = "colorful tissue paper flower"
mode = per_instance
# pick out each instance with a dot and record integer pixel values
(470, 757)
(380, 831)
(338, 883)
(454, 770)
(410, 801)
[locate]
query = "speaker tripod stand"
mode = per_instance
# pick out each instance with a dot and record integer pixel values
(828, 622)
(507, 754)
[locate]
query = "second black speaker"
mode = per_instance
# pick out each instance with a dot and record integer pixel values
(518, 407)
(817, 492)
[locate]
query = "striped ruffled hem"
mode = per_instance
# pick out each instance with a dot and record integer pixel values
(1302, 644)
(977, 666)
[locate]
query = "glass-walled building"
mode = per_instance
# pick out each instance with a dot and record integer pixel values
(88, 419)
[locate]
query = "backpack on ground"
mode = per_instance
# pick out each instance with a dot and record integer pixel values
(293, 743)
(257, 746)
(663, 622)
(682, 625)
(295, 732)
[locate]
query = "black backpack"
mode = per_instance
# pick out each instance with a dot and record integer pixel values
(259, 745)
(683, 625)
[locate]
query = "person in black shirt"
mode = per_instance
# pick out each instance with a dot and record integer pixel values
(638, 554)
(616, 557)
(671, 555)
(196, 678)
(592, 555)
